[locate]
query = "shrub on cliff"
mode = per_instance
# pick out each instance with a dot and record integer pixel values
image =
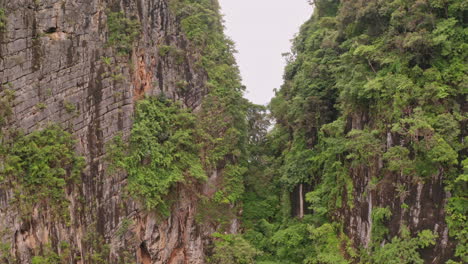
(123, 32)
(163, 151)
(3, 19)
(40, 167)
(232, 249)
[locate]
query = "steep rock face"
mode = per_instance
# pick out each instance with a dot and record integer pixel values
(54, 55)
(425, 202)
(383, 143)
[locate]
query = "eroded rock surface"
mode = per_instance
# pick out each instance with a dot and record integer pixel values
(53, 55)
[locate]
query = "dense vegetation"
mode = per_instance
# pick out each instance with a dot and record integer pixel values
(162, 151)
(170, 145)
(232, 249)
(223, 128)
(373, 104)
(40, 168)
(376, 90)
(123, 32)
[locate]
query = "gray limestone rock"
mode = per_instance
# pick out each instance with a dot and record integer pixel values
(51, 54)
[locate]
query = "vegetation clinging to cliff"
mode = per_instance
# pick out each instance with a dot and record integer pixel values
(222, 117)
(457, 212)
(6, 101)
(372, 88)
(3, 20)
(232, 249)
(40, 167)
(123, 32)
(163, 150)
(170, 145)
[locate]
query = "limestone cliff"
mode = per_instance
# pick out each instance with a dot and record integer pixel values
(55, 55)
(371, 125)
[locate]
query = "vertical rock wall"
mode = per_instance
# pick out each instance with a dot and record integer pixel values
(425, 200)
(52, 55)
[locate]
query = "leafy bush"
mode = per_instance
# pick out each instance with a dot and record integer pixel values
(163, 150)
(5, 253)
(6, 101)
(123, 32)
(380, 217)
(233, 185)
(369, 94)
(457, 212)
(176, 53)
(221, 121)
(232, 249)
(3, 20)
(292, 243)
(48, 256)
(43, 164)
(404, 249)
(326, 246)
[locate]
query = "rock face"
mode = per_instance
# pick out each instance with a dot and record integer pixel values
(383, 167)
(53, 54)
(426, 203)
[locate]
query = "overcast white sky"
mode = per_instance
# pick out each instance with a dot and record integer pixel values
(262, 30)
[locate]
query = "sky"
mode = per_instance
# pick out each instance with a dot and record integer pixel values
(262, 31)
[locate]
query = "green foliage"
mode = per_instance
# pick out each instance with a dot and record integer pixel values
(7, 96)
(52, 259)
(404, 249)
(398, 160)
(214, 213)
(297, 165)
(232, 249)
(41, 106)
(298, 242)
(221, 121)
(373, 90)
(291, 243)
(40, 166)
(123, 32)
(326, 246)
(457, 212)
(5, 253)
(363, 147)
(69, 107)
(49, 256)
(106, 60)
(124, 226)
(3, 20)
(259, 206)
(97, 250)
(233, 187)
(162, 152)
(172, 51)
(336, 188)
(380, 216)
(371, 87)
(116, 153)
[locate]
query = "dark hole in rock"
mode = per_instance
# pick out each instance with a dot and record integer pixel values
(144, 254)
(50, 30)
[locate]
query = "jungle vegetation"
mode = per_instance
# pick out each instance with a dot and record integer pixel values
(372, 89)
(374, 92)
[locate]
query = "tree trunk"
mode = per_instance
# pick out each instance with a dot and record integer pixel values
(301, 202)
